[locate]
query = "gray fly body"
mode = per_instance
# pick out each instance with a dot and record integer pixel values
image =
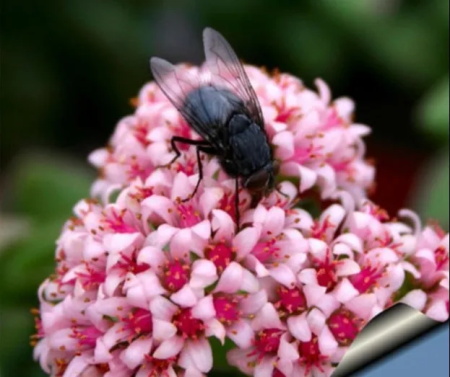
(225, 112)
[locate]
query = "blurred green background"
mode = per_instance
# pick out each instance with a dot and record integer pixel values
(69, 68)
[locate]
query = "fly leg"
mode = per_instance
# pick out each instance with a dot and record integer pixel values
(205, 148)
(201, 146)
(183, 140)
(236, 202)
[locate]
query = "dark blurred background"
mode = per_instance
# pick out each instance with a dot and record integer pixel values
(69, 68)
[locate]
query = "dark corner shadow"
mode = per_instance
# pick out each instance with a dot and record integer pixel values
(387, 332)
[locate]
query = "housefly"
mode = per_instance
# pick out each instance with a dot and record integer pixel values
(224, 110)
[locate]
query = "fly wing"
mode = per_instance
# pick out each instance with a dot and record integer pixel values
(176, 83)
(226, 69)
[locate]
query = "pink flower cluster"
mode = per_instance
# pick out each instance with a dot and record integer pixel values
(144, 280)
(315, 139)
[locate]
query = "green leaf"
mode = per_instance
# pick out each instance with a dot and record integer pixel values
(26, 263)
(433, 111)
(220, 356)
(431, 198)
(16, 327)
(46, 187)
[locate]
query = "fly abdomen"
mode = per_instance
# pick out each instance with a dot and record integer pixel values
(248, 144)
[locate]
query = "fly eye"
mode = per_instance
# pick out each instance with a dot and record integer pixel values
(257, 181)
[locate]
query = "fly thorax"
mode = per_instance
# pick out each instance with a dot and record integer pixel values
(238, 123)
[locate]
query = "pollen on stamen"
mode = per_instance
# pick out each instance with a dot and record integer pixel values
(220, 254)
(176, 275)
(188, 326)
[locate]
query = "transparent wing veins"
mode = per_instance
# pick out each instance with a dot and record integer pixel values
(225, 66)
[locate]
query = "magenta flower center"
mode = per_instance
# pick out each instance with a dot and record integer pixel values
(366, 278)
(117, 223)
(304, 154)
(441, 257)
(188, 326)
(176, 275)
(291, 300)
(141, 193)
(320, 228)
(267, 341)
(227, 204)
(226, 309)
(310, 354)
(86, 336)
(136, 170)
(188, 216)
(128, 264)
(159, 367)
(140, 132)
(92, 278)
(139, 322)
(277, 373)
(343, 327)
(265, 250)
(326, 275)
(220, 254)
(187, 167)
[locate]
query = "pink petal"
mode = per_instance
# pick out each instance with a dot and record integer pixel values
(215, 328)
(245, 241)
(347, 267)
(416, 299)
(76, 366)
(308, 276)
(283, 274)
(308, 177)
(250, 283)
(115, 243)
(328, 304)
(134, 354)
(327, 342)
(362, 305)
(204, 309)
(141, 288)
(438, 311)
(287, 351)
(203, 274)
(274, 222)
(152, 255)
(159, 205)
(253, 303)
(181, 187)
(185, 297)
(198, 354)
(313, 294)
(222, 224)
(169, 348)
(180, 245)
(210, 199)
(299, 327)
(316, 321)
(241, 333)
(231, 279)
(267, 318)
(285, 144)
(163, 330)
(264, 368)
(202, 229)
(345, 291)
(162, 308)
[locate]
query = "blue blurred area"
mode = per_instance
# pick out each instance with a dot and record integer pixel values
(427, 356)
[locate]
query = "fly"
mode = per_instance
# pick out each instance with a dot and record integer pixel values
(224, 110)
